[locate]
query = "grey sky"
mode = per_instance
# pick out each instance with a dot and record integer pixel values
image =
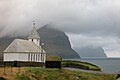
(83, 20)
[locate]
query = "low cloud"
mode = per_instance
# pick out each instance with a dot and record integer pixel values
(79, 16)
(111, 45)
(92, 18)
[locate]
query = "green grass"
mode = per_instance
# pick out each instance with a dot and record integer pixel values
(37, 73)
(62, 74)
(79, 64)
(74, 64)
(22, 77)
(53, 58)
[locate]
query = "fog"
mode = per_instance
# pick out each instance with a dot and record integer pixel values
(93, 22)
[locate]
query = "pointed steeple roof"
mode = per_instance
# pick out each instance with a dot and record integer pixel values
(34, 34)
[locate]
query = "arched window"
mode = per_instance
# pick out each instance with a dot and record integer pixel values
(31, 57)
(41, 57)
(38, 57)
(34, 57)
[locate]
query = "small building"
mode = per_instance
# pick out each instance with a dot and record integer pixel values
(26, 50)
(53, 62)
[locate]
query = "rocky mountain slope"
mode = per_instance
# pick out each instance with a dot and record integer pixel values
(90, 51)
(56, 43)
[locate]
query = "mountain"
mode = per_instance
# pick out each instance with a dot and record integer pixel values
(56, 42)
(91, 52)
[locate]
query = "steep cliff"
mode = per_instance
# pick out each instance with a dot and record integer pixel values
(91, 52)
(56, 42)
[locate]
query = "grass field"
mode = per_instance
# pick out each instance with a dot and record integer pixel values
(62, 74)
(80, 64)
(10, 73)
(37, 73)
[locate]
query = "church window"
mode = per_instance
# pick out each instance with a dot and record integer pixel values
(41, 57)
(36, 57)
(31, 57)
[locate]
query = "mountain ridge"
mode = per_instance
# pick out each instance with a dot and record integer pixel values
(91, 52)
(53, 44)
(56, 42)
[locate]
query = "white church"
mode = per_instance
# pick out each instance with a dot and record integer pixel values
(26, 50)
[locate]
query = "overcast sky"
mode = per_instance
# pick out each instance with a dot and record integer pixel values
(86, 22)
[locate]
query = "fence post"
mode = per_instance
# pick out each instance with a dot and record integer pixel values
(18, 69)
(11, 66)
(4, 67)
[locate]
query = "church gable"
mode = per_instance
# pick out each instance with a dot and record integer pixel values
(12, 47)
(19, 45)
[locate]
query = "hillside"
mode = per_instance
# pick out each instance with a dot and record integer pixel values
(56, 43)
(71, 70)
(38, 73)
(89, 51)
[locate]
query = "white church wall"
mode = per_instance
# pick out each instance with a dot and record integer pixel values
(44, 57)
(40, 58)
(29, 39)
(11, 57)
(23, 57)
(36, 41)
(37, 57)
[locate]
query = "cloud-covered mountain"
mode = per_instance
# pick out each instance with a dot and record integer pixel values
(91, 52)
(56, 43)
(98, 20)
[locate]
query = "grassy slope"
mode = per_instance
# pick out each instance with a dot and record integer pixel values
(74, 64)
(61, 74)
(79, 64)
(37, 73)
(11, 75)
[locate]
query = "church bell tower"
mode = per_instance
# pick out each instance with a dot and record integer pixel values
(34, 36)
